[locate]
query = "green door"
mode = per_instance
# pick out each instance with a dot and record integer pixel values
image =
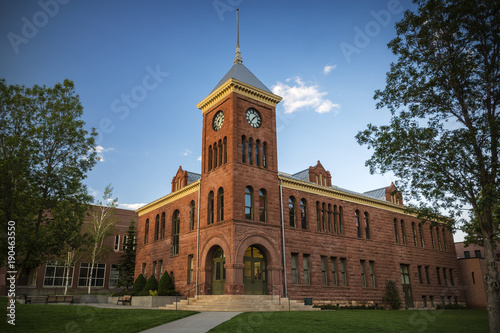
(218, 272)
(254, 271)
(405, 280)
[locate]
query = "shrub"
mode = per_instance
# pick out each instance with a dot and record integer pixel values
(153, 293)
(166, 286)
(392, 295)
(139, 284)
(151, 284)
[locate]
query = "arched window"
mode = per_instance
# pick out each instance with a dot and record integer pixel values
(329, 218)
(220, 204)
(403, 232)
(191, 215)
(220, 152)
(421, 232)
(335, 219)
(303, 213)
(444, 240)
(357, 223)
(257, 153)
(250, 151)
(157, 227)
(248, 203)
(264, 154)
(146, 231)
(291, 212)
(432, 237)
(215, 155)
(396, 230)
(176, 223)
(262, 205)
(318, 215)
(438, 238)
(210, 207)
(162, 228)
(225, 149)
(210, 158)
(243, 149)
(367, 226)
(323, 216)
(414, 231)
(341, 220)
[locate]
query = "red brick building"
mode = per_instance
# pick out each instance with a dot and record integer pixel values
(243, 227)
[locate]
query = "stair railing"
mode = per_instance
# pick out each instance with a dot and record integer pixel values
(279, 291)
(188, 292)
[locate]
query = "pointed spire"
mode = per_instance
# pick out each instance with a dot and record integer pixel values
(237, 58)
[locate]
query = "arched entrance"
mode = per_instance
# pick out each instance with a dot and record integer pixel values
(254, 275)
(218, 272)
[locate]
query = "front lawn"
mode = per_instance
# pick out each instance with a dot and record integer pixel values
(358, 321)
(79, 318)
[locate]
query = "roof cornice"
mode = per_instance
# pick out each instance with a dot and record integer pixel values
(186, 190)
(233, 85)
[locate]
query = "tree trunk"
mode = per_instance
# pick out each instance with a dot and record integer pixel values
(492, 285)
(69, 261)
(91, 270)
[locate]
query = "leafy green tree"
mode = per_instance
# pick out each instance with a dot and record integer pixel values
(100, 226)
(443, 137)
(126, 268)
(392, 295)
(151, 284)
(139, 284)
(166, 285)
(45, 154)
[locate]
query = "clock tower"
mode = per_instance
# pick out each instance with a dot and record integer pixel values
(239, 174)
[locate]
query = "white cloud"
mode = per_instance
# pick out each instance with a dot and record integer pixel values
(186, 152)
(328, 68)
(131, 206)
(93, 192)
(100, 150)
(199, 159)
(298, 95)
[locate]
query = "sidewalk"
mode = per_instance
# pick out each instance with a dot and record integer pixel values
(198, 323)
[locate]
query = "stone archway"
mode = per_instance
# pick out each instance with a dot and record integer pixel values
(218, 272)
(254, 271)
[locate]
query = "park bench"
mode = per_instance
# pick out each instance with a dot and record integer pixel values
(125, 299)
(25, 298)
(60, 299)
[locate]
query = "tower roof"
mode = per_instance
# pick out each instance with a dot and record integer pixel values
(241, 73)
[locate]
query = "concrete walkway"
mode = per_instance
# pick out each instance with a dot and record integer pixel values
(198, 323)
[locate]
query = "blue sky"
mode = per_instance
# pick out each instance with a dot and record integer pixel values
(140, 68)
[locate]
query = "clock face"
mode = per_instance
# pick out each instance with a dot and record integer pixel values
(218, 120)
(253, 118)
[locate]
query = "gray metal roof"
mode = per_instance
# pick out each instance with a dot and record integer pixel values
(241, 73)
(192, 177)
(378, 193)
(302, 175)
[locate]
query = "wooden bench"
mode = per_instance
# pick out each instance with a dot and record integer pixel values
(125, 299)
(60, 299)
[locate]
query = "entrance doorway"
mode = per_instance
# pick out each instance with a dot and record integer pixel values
(405, 280)
(218, 272)
(255, 271)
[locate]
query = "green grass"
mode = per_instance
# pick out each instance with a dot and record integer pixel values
(78, 318)
(456, 321)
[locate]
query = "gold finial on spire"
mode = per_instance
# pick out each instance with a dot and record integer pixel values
(237, 57)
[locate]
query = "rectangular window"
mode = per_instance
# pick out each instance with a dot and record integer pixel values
(451, 277)
(117, 243)
(403, 232)
(438, 275)
(124, 243)
(190, 269)
(98, 274)
(295, 263)
(431, 298)
(372, 273)
(363, 273)
(333, 267)
(160, 269)
(343, 271)
(307, 269)
(467, 254)
(444, 277)
(324, 274)
(55, 274)
(477, 253)
(154, 270)
(420, 278)
(424, 301)
(427, 278)
(113, 276)
(144, 269)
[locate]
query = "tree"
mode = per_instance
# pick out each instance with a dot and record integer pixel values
(139, 284)
(151, 284)
(45, 154)
(443, 137)
(392, 295)
(166, 286)
(100, 226)
(126, 269)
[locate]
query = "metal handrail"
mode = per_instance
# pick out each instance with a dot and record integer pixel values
(187, 291)
(279, 291)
